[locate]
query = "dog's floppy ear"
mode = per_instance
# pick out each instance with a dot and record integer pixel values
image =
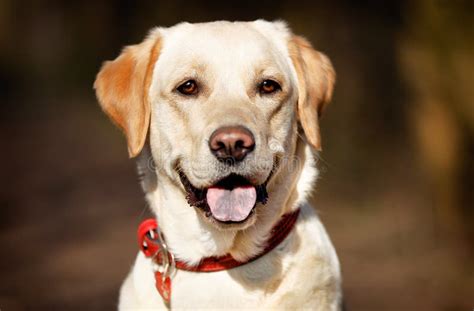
(122, 87)
(316, 78)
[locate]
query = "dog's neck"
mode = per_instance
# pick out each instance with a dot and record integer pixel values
(191, 238)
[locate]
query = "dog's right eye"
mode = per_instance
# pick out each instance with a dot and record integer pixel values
(188, 88)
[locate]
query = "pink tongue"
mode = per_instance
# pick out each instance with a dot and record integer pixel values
(231, 205)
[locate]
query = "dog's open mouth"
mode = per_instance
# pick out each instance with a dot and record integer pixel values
(231, 200)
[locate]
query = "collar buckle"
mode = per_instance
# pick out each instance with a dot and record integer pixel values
(162, 259)
(153, 246)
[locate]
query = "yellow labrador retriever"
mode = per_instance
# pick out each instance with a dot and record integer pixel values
(223, 119)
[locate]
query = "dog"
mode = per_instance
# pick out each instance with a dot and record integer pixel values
(223, 120)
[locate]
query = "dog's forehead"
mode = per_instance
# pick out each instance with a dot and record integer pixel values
(211, 42)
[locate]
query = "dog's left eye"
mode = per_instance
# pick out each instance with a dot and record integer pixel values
(269, 86)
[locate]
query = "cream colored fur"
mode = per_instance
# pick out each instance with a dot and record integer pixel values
(229, 60)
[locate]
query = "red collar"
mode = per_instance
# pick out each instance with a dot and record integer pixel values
(152, 244)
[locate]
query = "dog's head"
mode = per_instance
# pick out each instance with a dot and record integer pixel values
(221, 103)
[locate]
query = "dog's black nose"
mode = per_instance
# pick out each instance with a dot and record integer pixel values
(231, 144)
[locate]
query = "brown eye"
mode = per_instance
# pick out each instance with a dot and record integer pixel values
(188, 88)
(269, 86)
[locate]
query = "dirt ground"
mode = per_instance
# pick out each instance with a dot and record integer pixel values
(71, 204)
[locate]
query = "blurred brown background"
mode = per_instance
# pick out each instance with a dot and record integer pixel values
(396, 192)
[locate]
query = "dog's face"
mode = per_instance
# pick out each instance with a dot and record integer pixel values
(221, 103)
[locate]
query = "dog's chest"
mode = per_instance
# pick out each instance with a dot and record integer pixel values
(302, 271)
(218, 290)
(242, 287)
